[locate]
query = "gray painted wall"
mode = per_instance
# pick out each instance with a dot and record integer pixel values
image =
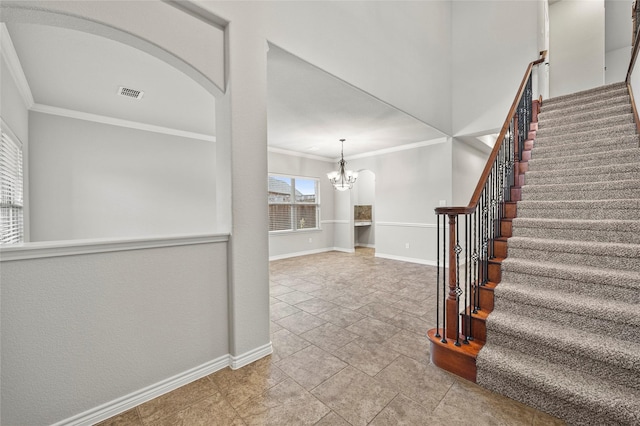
(576, 46)
(93, 180)
(292, 243)
(80, 331)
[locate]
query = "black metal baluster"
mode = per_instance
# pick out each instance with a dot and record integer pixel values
(467, 281)
(444, 281)
(457, 249)
(438, 276)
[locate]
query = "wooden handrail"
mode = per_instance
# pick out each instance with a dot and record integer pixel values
(475, 198)
(627, 80)
(634, 55)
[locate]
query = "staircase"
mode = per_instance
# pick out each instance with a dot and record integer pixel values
(564, 334)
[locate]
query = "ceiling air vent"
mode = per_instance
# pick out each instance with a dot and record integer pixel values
(130, 93)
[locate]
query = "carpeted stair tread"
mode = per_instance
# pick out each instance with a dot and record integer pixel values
(620, 156)
(625, 171)
(585, 134)
(578, 126)
(621, 189)
(512, 372)
(563, 118)
(615, 231)
(612, 284)
(590, 253)
(615, 98)
(584, 147)
(564, 333)
(606, 312)
(597, 353)
(581, 209)
(596, 93)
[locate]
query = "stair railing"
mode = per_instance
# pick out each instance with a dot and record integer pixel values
(633, 76)
(468, 260)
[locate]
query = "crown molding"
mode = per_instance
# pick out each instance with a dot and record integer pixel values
(300, 154)
(63, 112)
(397, 149)
(10, 56)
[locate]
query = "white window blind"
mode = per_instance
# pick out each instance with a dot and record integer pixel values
(11, 216)
(293, 203)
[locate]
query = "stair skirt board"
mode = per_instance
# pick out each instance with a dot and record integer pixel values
(564, 335)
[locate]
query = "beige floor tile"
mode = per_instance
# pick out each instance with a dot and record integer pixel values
(411, 323)
(281, 309)
(315, 306)
(425, 384)
(311, 366)
(342, 317)
(350, 301)
(543, 419)
(286, 343)
(274, 327)
(412, 345)
(332, 419)
(403, 411)
(368, 357)
(411, 306)
(277, 290)
(294, 297)
(300, 322)
(380, 311)
(373, 330)
(128, 418)
(466, 401)
(174, 401)
(213, 410)
(285, 404)
(329, 337)
(308, 287)
(355, 396)
(237, 386)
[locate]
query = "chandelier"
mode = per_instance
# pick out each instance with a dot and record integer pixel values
(342, 179)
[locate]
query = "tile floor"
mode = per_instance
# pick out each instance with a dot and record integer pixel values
(349, 348)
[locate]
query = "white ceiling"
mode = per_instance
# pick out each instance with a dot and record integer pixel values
(82, 72)
(309, 110)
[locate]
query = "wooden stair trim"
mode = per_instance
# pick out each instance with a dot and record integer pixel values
(459, 360)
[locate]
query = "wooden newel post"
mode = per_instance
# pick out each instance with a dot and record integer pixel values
(452, 308)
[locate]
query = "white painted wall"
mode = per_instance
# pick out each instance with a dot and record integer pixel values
(287, 244)
(364, 193)
(577, 46)
(409, 185)
(12, 108)
(408, 46)
(468, 164)
(617, 62)
(82, 331)
(492, 43)
(92, 180)
(618, 30)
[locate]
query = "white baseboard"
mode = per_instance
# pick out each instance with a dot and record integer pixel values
(127, 402)
(342, 249)
(366, 245)
(406, 259)
(308, 252)
(141, 396)
(300, 253)
(247, 358)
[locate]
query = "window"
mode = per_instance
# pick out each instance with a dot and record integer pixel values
(11, 221)
(294, 203)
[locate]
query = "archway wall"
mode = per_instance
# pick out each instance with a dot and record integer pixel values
(138, 25)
